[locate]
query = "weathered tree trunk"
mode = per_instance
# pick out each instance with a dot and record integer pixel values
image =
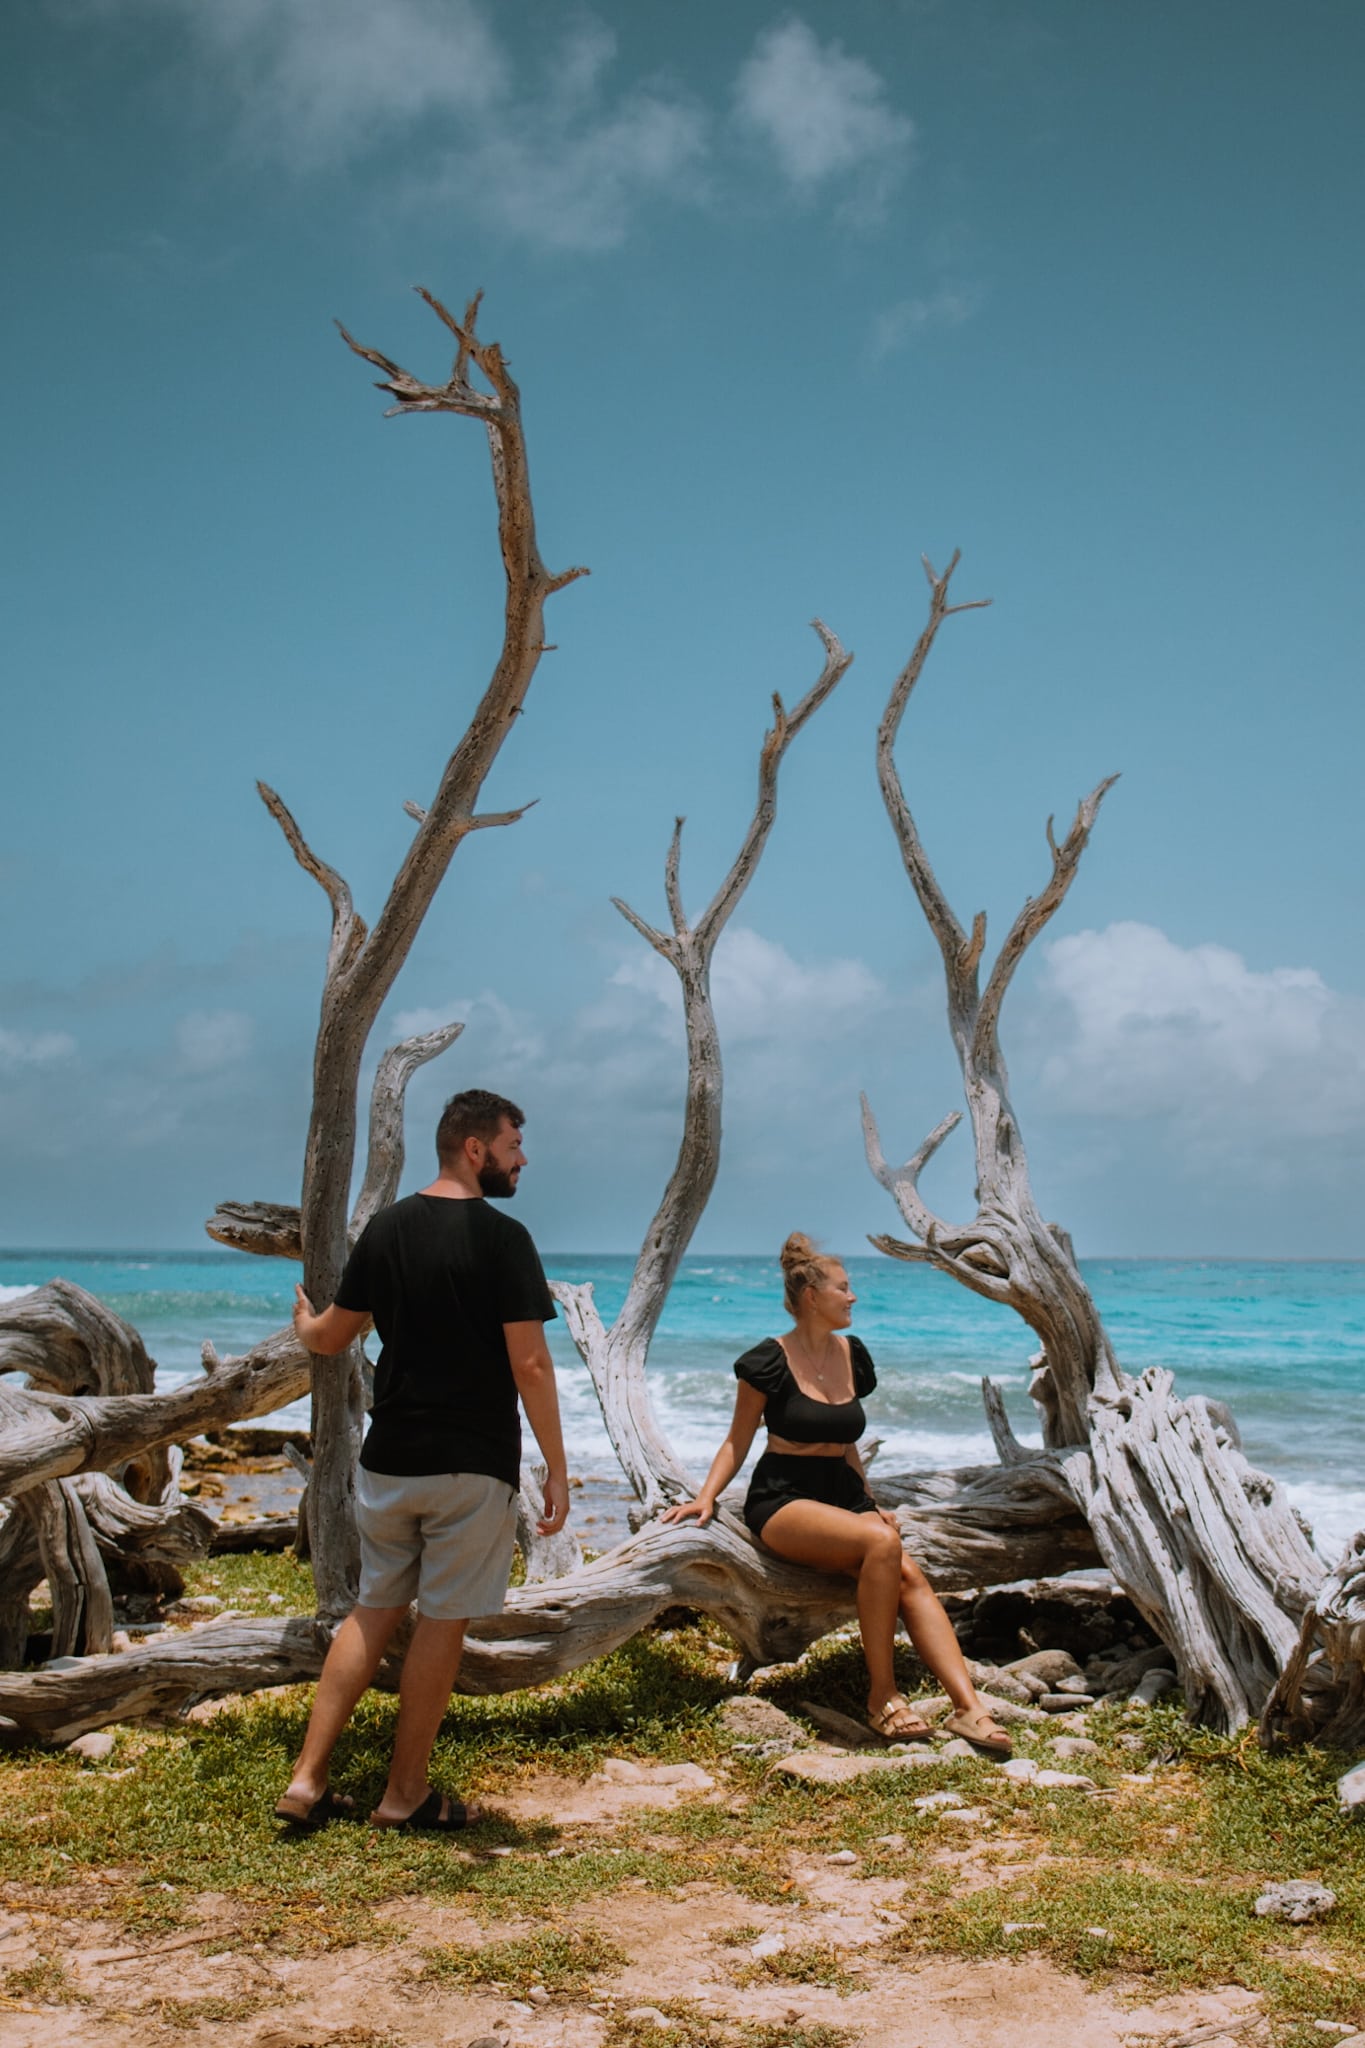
(616, 1357)
(1208, 1549)
(982, 1526)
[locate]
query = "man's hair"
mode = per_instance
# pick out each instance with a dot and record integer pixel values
(474, 1113)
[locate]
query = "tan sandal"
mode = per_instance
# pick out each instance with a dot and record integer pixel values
(897, 1721)
(978, 1726)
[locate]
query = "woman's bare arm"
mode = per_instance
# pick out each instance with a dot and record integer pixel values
(749, 1406)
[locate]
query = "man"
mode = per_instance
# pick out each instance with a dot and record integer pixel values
(457, 1294)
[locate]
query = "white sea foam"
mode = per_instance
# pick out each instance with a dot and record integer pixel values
(13, 1293)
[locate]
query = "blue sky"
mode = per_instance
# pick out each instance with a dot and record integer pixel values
(792, 296)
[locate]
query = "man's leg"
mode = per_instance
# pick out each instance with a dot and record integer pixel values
(429, 1671)
(357, 1650)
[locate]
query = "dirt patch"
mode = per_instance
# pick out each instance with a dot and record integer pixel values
(706, 1950)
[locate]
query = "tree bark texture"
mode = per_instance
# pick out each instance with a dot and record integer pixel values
(971, 1528)
(363, 961)
(1208, 1549)
(616, 1357)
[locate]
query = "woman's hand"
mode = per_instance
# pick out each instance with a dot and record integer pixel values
(888, 1516)
(702, 1508)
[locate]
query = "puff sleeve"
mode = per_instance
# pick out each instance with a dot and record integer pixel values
(864, 1372)
(765, 1367)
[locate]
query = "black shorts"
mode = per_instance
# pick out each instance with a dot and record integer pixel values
(779, 1479)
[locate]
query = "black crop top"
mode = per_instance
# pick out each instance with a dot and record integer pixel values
(794, 1415)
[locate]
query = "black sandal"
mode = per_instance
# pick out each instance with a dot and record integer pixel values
(326, 1808)
(429, 1819)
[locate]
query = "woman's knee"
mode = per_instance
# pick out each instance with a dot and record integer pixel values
(912, 1578)
(881, 1545)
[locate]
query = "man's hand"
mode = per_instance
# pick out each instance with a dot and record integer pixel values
(326, 1334)
(556, 1504)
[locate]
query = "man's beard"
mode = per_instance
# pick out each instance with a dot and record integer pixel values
(496, 1181)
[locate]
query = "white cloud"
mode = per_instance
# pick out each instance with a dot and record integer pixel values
(762, 995)
(823, 114)
(34, 1048)
(514, 1037)
(898, 325)
(207, 1040)
(1242, 1056)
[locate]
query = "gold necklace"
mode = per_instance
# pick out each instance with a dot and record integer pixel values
(821, 1372)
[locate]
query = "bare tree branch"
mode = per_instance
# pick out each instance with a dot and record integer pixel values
(348, 930)
(1034, 915)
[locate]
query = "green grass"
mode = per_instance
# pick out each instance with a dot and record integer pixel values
(808, 1962)
(1168, 1869)
(557, 1960)
(46, 1981)
(689, 2028)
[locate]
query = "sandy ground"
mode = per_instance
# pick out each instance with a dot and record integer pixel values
(369, 1997)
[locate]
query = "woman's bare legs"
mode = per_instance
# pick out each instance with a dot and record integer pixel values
(934, 1638)
(863, 1546)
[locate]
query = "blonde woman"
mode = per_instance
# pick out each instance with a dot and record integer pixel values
(808, 1499)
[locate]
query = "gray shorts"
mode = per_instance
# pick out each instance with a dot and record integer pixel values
(443, 1539)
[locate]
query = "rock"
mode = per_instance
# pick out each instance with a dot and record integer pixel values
(94, 1747)
(63, 1663)
(1351, 1792)
(968, 1815)
(755, 1720)
(1124, 1675)
(843, 1727)
(932, 1801)
(1003, 1685)
(957, 1747)
(538, 1995)
(1064, 1781)
(1297, 1901)
(196, 1603)
(1023, 1927)
(822, 1767)
(1099, 1933)
(1074, 1745)
(1023, 1769)
(1064, 1702)
(620, 1770)
(898, 1841)
(1150, 1687)
(1047, 1665)
(842, 1856)
(649, 2015)
(768, 1945)
(1075, 1684)
(680, 1774)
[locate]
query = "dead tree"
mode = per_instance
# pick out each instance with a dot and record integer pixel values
(1208, 1549)
(616, 1357)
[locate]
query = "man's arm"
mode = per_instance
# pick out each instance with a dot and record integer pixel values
(534, 1372)
(326, 1334)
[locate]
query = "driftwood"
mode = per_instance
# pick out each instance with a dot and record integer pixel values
(616, 1357)
(1207, 1548)
(548, 1629)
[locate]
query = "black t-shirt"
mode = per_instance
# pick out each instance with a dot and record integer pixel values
(441, 1277)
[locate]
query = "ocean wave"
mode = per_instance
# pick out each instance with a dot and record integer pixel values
(13, 1293)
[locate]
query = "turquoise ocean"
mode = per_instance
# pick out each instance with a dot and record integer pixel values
(1282, 1342)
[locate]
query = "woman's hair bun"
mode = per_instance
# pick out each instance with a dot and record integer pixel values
(803, 1265)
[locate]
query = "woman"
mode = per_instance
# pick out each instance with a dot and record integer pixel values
(808, 1500)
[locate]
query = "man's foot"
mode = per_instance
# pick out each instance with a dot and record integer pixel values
(896, 1721)
(437, 1814)
(977, 1726)
(297, 1810)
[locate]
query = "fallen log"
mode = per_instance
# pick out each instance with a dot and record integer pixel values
(773, 1610)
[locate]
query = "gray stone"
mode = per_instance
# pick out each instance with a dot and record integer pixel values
(621, 1770)
(1074, 1745)
(1124, 1675)
(1064, 1781)
(755, 1720)
(932, 1802)
(842, 1856)
(1150, 1687)
(1074, 1684)
(823, 1767)
(92, 1747)
(856, 1734)
(649, 2014)
(768, 1945)
(959, 1746)
(1064, 1702)
(538, 1995)
(968, 1815)
(1351, 1792)
(1297, 1901)
(1047, 1665)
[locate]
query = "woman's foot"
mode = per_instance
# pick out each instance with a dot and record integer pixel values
(895, 1720)
(978, 1726)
